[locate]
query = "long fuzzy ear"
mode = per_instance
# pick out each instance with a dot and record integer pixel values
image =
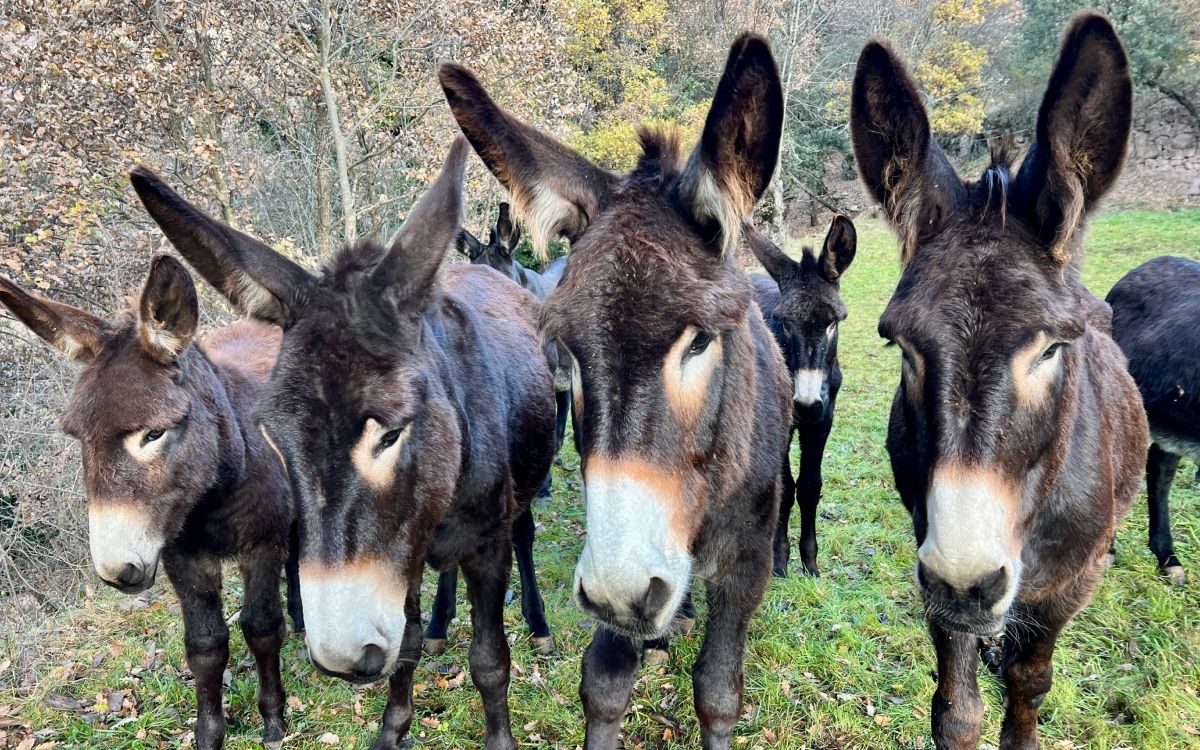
(74, 332)
(508, 230)
(899, 161)
(258, 281)
(553, 188)
(771, 256)
(468, 244)
(841, 241)
(406, 274)
(1082, 133)
(732, 165)
(169, 311)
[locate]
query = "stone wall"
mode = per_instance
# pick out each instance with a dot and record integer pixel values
(1166, 140)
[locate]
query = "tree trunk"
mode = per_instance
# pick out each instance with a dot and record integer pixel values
(342, 162)
(324, 186)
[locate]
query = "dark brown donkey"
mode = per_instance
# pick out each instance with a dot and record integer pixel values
(1156, 322)
(177, 472)
(416, 421)
(802, 304)
(680, 395)
(1017, 438)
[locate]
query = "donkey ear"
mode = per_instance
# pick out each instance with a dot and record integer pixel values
(770, 255)
(1082, 132)
(168, 311)
(840, 244)
(258, 281)
(898, 159)
(72, 331)
(509, 230)
(731, 166)
(468, 244)
(556, 190)
(406, 274)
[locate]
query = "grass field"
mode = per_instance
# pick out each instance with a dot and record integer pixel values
(837, 662)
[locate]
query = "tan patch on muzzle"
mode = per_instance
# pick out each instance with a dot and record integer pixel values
(972, 514)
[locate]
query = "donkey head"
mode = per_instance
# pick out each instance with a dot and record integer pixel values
(146, 411)
(810, 307)
(354, 408)
(987, 310)
(656, 318)
(501, 248)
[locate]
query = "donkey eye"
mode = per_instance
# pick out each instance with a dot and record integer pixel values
(699, 343)
(152, 435)
(389, 439)
(832, 329)
(1051, 350)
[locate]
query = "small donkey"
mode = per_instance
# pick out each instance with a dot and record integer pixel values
(176, 472)
(802, 304)
(500, 253)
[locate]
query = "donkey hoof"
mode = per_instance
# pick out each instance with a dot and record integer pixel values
(435, 646)
(543, 645)
(685, 625)
(811, 570)
(1175, 575)
(656, 656)
(780, 572)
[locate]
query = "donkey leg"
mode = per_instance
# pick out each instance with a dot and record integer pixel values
(1028, 673)
(610, 666)
(1160, 473)
(957, 713)
(808, 491)
(444, 609)
(197, 582)
(717, 675)
(532, 607)
(262, 625)
(398, 715)
(787, 499)
(487, 576)
(295, 606)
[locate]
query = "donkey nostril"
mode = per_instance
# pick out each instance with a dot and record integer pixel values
(657, 595)
(372, 661)
(130, 575)
(991, 588)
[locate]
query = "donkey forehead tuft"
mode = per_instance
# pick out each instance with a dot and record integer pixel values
(352, 262)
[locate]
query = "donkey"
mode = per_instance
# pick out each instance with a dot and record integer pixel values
(1016, 436)
(802, 304)
(1156, 322)
(177, 473)
(679, 393)
(415, 419)
(501, 254)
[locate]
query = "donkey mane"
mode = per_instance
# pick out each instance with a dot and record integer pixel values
(353, 262)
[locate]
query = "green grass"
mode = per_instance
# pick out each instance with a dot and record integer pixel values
(839, 662)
